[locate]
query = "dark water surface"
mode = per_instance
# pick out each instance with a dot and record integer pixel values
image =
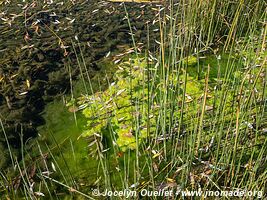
(37, 54)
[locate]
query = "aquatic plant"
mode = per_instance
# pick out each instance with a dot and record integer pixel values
(115, 108)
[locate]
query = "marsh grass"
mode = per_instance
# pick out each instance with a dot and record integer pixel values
(208, 129)
(217, 140)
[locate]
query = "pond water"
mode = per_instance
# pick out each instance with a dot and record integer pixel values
(37, 55)
(69, 153)
(60, 136)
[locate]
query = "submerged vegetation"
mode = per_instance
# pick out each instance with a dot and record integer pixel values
(184, 109)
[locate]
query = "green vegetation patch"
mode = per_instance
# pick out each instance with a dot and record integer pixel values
(115, 108)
